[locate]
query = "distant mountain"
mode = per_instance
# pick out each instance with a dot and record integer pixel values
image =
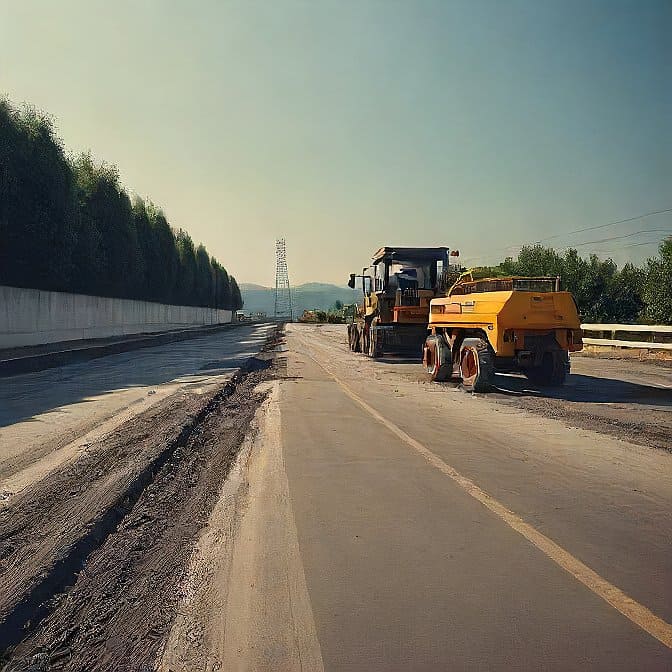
(309, 296)
(252, 287)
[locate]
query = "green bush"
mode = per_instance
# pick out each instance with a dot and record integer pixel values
(603, 292)
(68, 225)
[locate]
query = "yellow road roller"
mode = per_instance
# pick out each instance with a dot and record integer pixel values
(526, 325)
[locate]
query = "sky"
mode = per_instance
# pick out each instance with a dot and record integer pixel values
(344, 126)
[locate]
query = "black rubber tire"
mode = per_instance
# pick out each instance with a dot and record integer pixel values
(553, 369)
(477, 365)
(374, 350)
(364, 337)
(355, 338)
(437, 358)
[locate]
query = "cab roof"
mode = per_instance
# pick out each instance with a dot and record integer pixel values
(411, 254)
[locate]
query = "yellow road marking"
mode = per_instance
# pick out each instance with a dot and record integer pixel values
(634, 611)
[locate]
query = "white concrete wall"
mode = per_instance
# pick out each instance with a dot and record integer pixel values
(33, 317)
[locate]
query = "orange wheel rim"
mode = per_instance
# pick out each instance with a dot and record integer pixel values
(469, 365)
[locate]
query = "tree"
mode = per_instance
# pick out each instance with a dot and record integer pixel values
(164, 261)
(222, 286)
(69, 225)
(143, 231)
(204, 280)
(186, 272)
(105, 206)
(38, 215)
(657, 289)
(628, 304)
(538, 260)
(236, 298)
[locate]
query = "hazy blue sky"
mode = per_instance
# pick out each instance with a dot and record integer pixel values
(347, 125)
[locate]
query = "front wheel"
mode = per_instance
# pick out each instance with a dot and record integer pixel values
(355, 337)
(437, 358)
(477, 366)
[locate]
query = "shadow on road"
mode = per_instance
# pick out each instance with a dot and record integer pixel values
(26, 396)
(583, 388)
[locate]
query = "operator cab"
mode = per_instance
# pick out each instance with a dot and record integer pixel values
(408, 268)
(406, 279)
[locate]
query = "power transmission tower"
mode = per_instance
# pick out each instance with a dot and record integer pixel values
(283, 292)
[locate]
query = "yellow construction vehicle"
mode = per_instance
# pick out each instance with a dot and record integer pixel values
(502, 324)
(397, 286)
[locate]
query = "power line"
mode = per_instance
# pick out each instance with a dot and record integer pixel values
(571, 233)
(608, 240)
(603, 226)
(625, 247)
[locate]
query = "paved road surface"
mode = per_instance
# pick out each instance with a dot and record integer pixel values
(501, 549)
(371, 521)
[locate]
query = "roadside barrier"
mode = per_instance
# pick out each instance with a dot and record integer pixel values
(637, 336)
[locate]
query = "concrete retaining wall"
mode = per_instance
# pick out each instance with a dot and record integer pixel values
(33, 317)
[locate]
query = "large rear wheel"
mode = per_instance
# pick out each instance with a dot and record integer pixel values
(553, 370)
(437, 358)
(477, 366)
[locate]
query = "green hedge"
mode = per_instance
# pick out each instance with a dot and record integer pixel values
(68, 225)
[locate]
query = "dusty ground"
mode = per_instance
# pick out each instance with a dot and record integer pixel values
(49, 417)
(245, 603)
(270, 522)
(90, 553)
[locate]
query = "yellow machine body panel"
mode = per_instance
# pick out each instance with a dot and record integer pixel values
(370, 304)
(506, 316)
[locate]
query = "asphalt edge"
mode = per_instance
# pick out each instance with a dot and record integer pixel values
(40, 362)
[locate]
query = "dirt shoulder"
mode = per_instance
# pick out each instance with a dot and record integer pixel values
(245, 603)
(646, 424)
(93, 582)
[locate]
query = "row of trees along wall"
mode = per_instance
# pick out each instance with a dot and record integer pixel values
(603, 292)
(66, 224)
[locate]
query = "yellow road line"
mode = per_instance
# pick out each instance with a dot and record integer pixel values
(634, 611)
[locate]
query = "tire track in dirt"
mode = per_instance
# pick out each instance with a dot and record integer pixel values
(123, 531)
(54, 453)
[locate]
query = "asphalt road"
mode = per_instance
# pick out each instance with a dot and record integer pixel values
(444, 531)
(371, 520)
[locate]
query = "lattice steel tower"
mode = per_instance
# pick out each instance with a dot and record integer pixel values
(283, 292)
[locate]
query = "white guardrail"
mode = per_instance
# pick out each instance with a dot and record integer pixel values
(656, 337)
